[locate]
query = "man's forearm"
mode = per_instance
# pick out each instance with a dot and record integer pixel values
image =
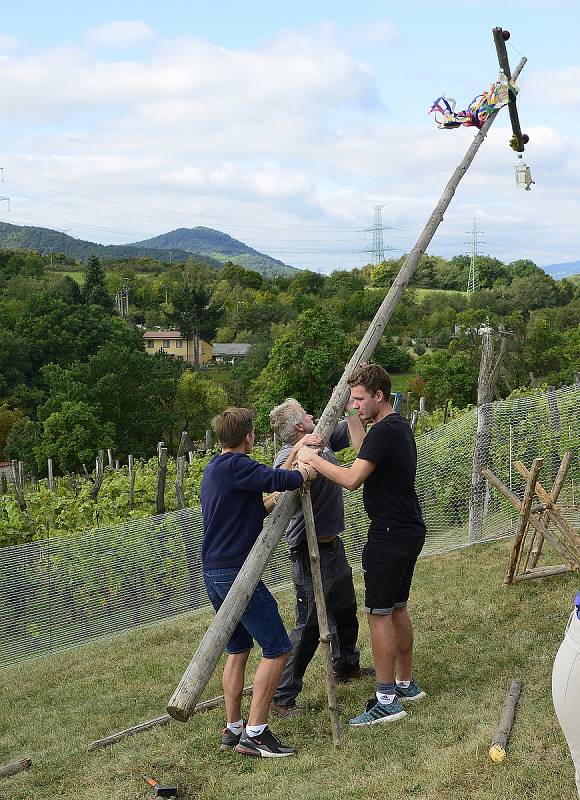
(356, 431)
(340, 475)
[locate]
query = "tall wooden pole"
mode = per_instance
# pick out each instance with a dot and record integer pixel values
(323, 629)
(204, 661)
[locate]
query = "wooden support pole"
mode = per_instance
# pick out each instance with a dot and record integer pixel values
(14, 767)
(544, 572)
(204, 661)
(161, 476)
(18, 489)
(131, 481)
(523, 519)
(554, 514)
(323, 629)
(3, 484)
(502, 734)
(179, 473)
(110, 457)
(50, 475)
(504, 64)
(538, 539)
(100, 474)
(164, 719)
(497, 484)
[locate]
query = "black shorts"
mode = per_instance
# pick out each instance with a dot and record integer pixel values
(388, 567)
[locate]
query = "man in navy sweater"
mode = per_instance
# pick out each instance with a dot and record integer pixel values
(233, 511)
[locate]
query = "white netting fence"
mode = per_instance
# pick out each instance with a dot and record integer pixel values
(62, 592)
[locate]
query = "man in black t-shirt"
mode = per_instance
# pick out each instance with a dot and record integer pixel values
(386, 464)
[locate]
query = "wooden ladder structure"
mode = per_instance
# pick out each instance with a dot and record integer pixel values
(537, 523)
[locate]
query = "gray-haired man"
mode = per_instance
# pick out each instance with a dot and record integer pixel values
(290, 423)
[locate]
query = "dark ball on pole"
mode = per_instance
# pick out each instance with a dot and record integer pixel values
(506, 35)
(525, 138)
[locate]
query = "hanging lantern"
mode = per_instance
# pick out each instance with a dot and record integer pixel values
(523, 177)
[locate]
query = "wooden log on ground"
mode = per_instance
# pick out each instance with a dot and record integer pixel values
(544, 572)
(204, 661)
(14, 767)
(164, 719)
(523, 519)
(161, 476)
(325, 638)
(497, 750)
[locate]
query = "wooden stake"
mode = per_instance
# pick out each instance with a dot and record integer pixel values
(325, 637)
(179, 473)
(204, 661)
(164, 719)
(131, 482)
(499, 742)
(100, 474)
(524, 518)
(50, 476)
(14, 767)
(538, 539)
(544, 572)
(161, 476)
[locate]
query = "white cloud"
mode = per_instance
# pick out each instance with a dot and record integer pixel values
(555, 87)
(7, 42)
(120, 33)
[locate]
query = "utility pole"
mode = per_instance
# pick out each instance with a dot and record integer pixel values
(473, 279)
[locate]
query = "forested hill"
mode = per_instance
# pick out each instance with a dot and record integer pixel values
(219, 246)
(209, 246)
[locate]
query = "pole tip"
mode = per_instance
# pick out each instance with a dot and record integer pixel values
(497, 754)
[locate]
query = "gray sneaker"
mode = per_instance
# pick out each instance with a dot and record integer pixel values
(229, 739)
(377, 712)
(411, 692)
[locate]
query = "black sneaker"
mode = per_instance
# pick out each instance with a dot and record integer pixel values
(265, 746)
(230, 739)
(354, 674)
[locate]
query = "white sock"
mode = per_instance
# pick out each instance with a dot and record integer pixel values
(236, 727)
(404, 684)
(256, 730)
(385, 699)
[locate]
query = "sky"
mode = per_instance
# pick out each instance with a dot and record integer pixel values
(285, 125)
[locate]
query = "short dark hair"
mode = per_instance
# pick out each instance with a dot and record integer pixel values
(232, 425)
(373, 378)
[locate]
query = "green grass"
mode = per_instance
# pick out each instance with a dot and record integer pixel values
(400, 381)
(421, 293)
(76, 275)
(472, 637)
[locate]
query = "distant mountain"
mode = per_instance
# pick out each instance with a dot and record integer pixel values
(566, 270)
(206, 245)
(219, 246)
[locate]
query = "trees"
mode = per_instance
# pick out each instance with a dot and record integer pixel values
(196, 316)
(448, 375)
(197, 400)
(305, 363)
(94, 291)
(72, 435)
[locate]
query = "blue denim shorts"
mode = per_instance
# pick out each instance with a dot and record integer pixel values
(260, 621)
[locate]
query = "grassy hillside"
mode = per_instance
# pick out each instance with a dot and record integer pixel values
(473, 637)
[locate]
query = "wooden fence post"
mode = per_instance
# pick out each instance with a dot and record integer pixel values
(18, 487)
(179, 473)
(161, 476)
(50, 476)
(204, 661)
(99, 475)
(110, 457)
(131, 482)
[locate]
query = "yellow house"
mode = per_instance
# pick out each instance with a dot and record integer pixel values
(170, 342)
